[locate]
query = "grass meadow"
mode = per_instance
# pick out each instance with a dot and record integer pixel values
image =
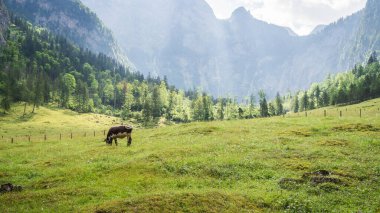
(281, 164)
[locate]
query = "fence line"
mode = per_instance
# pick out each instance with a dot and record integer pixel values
(339, 112)
(53, 137)
(357, 112)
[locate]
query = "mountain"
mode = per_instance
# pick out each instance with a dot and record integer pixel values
(71, 19)
(4, 19)
(240, 55)
(318, 29)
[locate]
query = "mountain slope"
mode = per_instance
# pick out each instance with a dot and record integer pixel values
(71, 19)
(4, 19)
(185, 41)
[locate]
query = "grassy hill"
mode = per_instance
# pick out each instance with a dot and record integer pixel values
(293, 163)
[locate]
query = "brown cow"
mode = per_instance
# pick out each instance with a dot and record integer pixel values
(119, 132)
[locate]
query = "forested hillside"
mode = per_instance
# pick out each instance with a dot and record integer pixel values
(72, 20)
(3, 22)
(40, 68)
(360, 84)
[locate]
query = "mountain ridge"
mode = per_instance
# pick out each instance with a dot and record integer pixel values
(71, 19)
(236, 56)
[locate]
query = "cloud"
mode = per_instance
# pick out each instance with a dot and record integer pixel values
(300, 15)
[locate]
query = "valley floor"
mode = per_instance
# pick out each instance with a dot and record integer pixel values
(296, 164)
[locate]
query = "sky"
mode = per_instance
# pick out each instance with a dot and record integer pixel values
(302, 16)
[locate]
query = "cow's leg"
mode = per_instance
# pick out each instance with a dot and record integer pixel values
(129, 140)
(116, 141)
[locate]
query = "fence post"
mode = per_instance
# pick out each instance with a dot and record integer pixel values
(340, 113)
(29, 138)
(45, 137)
(94, 133)
(360, 112)
(305, 113)
(325, 113)
(12, 140)
(71, 135)
(60, 136)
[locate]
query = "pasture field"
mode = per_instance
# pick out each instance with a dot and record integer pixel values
(281, 164)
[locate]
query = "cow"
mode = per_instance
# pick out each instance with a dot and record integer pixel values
(119, 132)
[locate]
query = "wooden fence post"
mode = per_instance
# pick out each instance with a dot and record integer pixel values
(12, 140)
(45, 137)
(325, 113)
(340, 113)
(94, 133)
(305, 113)
(29, 138)
(71, 136)
(104, 132)
(60, 136)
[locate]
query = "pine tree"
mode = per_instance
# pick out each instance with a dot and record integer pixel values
(372, 58)
(304, 102)
(279, 109)
(156, 102)
(295, 104)
(251, 105)
(220, 109)
(263, 104)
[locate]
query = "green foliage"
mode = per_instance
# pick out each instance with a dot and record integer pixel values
(263, 104)
(359, 84)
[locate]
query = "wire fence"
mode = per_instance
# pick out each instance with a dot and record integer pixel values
(100, 134)
(338, 112)
(72, 135)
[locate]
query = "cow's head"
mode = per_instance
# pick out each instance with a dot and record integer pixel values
(108, 140)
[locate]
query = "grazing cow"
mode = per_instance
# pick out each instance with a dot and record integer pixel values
(119, 132)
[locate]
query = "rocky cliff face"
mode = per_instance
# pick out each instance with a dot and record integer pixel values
(240, 55)
(71, 19)
(4, 20)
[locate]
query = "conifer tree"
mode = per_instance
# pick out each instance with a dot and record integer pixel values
(263, 104)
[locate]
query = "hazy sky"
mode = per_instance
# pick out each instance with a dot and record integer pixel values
(302, 16)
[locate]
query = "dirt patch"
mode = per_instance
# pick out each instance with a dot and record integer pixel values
(356, 128)
(184, 202)
(315, 179)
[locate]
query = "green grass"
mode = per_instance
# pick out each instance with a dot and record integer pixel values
(260, 165)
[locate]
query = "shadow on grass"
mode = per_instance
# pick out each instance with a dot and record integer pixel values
(26, 117)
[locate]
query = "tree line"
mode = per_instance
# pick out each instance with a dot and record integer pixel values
(40, 68)
(360, 84)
